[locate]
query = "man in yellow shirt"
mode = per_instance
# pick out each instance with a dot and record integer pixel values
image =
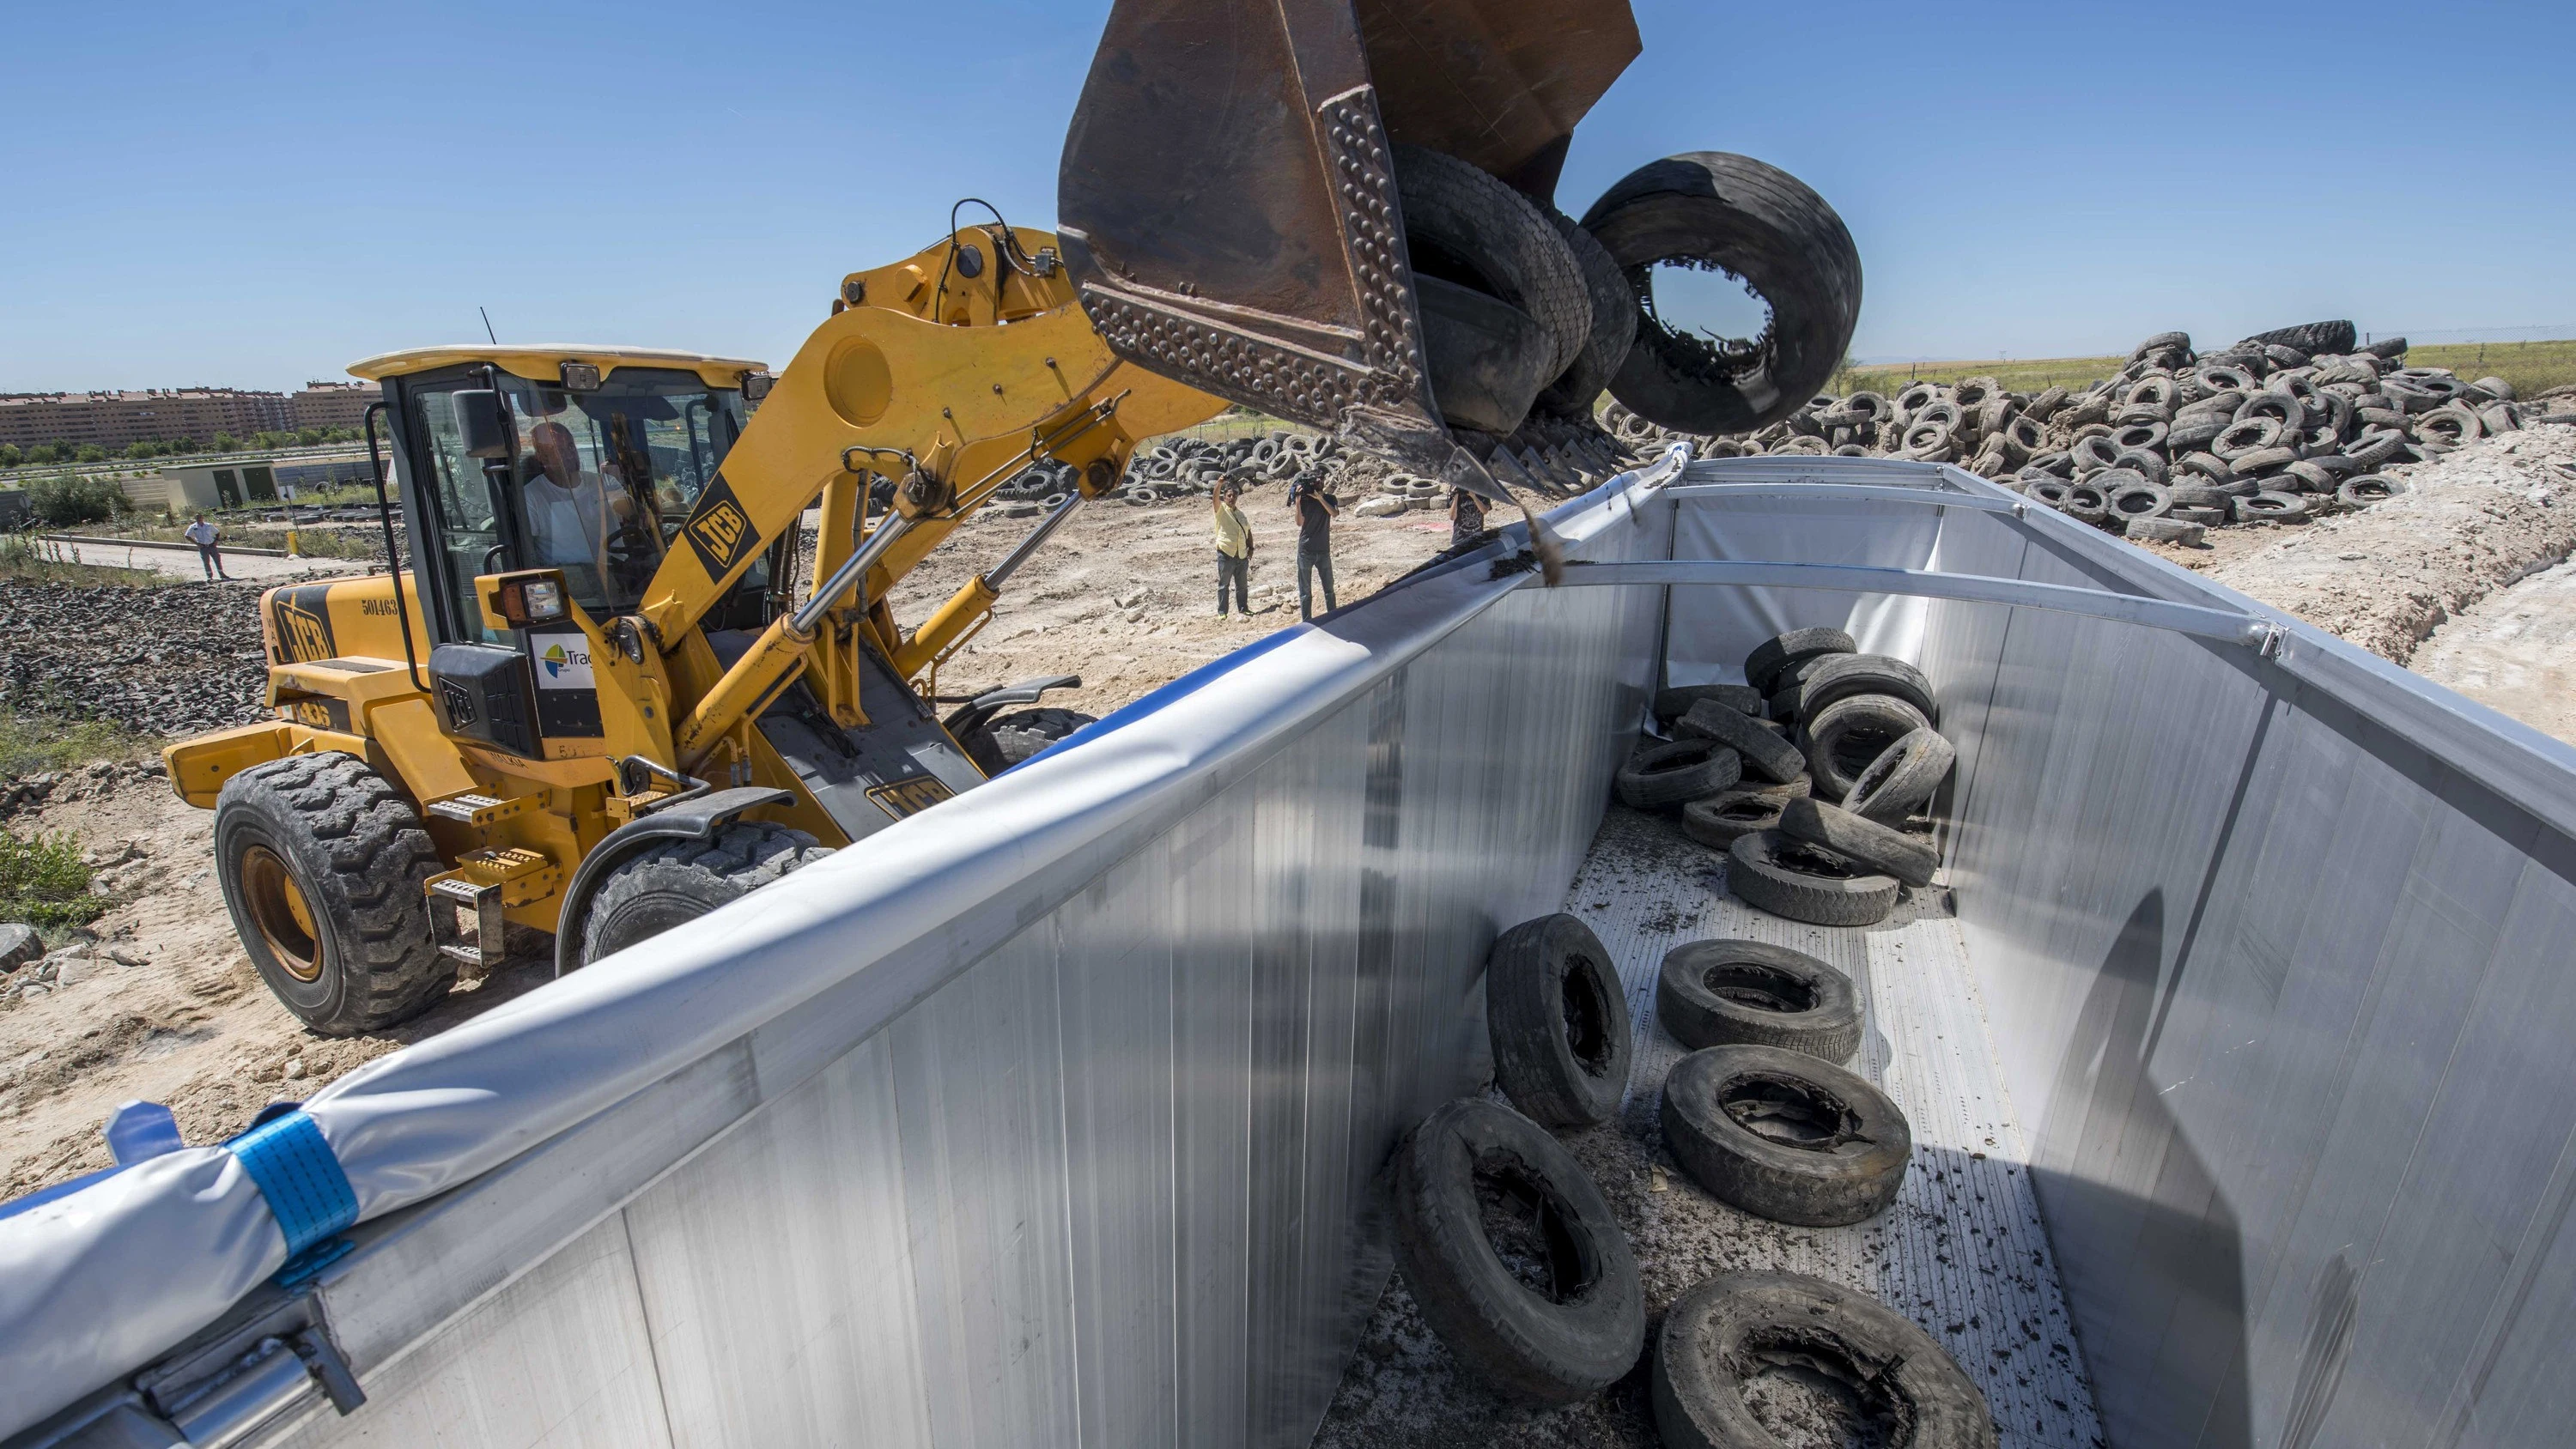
(1233, 550)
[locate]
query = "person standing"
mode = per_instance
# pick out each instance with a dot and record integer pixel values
(203, 535)
(1233, 550)
(1315, 510)
(1466, 516)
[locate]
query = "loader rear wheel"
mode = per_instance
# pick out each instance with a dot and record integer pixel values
(323, 864)
(1021, 736)
(678, 881)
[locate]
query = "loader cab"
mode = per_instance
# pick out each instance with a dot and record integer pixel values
(600, 455)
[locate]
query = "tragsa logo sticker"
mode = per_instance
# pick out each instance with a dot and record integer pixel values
(563, 661)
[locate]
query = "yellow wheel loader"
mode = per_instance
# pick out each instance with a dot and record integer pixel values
(608, 694)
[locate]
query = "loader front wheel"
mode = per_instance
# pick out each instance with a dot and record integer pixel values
(681, 880)
(322, 863)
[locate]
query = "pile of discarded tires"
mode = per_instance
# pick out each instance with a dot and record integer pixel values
(1809, 776)
(1517, 1262)
(2280, 428)
(1184, 467)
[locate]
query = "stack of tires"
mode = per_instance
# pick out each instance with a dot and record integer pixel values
(2280, 428)
(1517, 1261)
(1809, 776)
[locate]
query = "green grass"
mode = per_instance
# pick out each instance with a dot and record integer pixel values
(33, 744)
(32, 561)
(44, 883)
(2036, 375)
(2531, 367)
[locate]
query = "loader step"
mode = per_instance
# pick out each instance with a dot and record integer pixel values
(481, 810)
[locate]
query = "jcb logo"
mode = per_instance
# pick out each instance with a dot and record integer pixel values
(303, 621)
(909, 797)
(719, 532)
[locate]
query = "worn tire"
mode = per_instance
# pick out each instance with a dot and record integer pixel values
(1673, 703)
(1717, 821)
(1851, 674)
(359, 955)
(1464, 225)
(1720, 1336)
(1770, 872)
(1714, 993)
(1757, 222)
(1882, 848)
(2277, 507)
(680, 880)
(1662, 776)
(1576, 1323)
(1902, 779)
(1784, 1136)
(1760, 748)
(2329, 339)
(1614, 324)
(1558, 1021)
(1781, 653)
(1848, 735)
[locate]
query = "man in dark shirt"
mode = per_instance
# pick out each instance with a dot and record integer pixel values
(1315, 510)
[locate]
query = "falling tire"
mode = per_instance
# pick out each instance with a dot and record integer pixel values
(1718, 211)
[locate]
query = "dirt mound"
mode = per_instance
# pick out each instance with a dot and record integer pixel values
(2475, 521)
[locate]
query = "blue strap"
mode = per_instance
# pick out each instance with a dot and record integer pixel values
(307, 1192)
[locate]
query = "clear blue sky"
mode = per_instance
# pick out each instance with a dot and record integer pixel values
(254, 194)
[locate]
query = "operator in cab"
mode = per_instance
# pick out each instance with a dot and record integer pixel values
(573, 513)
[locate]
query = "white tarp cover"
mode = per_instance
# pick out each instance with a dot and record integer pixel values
(96, 1284)
(1705, 627)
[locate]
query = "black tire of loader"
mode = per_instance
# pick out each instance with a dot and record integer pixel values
(1024, 734)
(1760, 224)
(358, 855)
(1551, 1345)
(680, 880)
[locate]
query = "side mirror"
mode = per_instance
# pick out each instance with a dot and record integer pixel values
(483, 423)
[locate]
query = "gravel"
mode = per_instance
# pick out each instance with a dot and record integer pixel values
(166, 661)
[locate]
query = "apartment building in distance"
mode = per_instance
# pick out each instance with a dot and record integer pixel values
(114, 419)
(333, 404)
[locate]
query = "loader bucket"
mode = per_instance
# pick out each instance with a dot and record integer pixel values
(1227, 199)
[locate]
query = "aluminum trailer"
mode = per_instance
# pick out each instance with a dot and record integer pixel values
(1050, 1116)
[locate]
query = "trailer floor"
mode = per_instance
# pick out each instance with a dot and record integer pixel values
(1962, 1252)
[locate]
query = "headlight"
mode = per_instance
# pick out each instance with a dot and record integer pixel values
(545, 601)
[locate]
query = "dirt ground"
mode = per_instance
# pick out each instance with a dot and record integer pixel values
(2477, 521)
(165, 1007)
(1126, 597)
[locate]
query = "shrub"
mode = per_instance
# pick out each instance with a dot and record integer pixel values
(69, 500)
(44, 883)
